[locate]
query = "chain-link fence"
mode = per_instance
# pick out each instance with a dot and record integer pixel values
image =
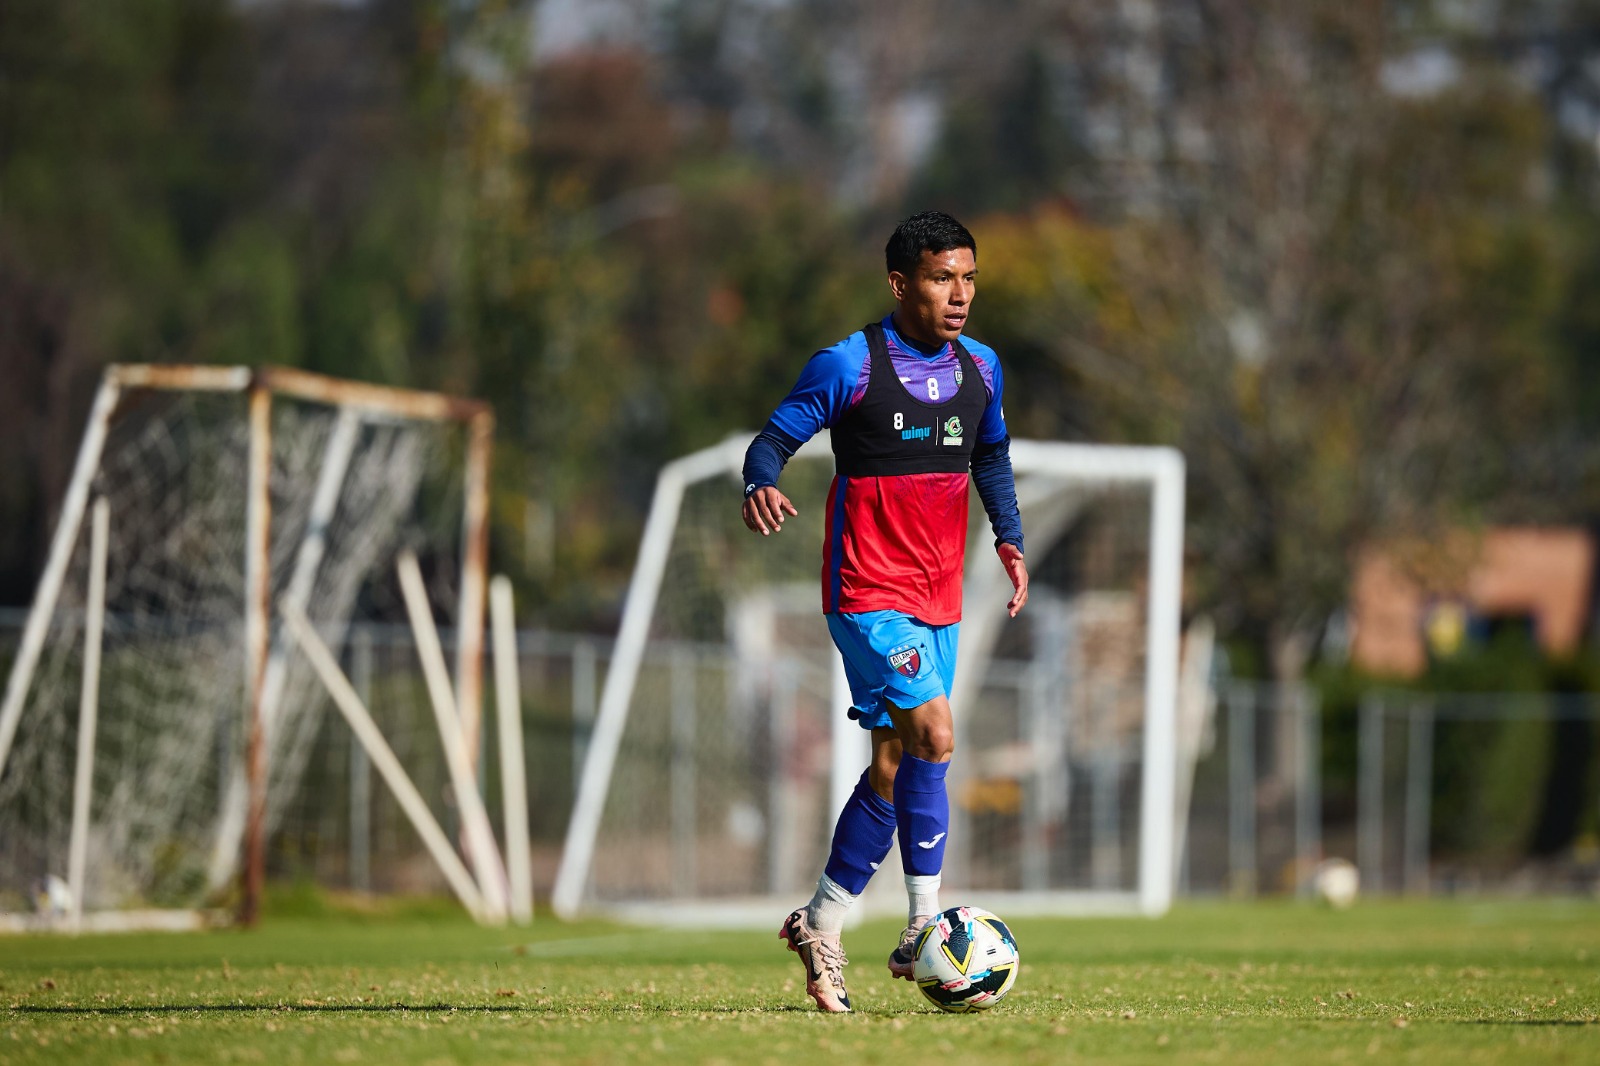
(1480, 792)
(1427, 793)
(1447, 793)
(1255, 817)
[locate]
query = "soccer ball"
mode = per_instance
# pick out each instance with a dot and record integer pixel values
(966, 960)
(1337, 883)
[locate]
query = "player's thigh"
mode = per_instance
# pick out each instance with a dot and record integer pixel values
(867, 707)
(896, 658)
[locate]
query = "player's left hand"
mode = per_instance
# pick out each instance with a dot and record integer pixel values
(764, 510)
(1017, 570)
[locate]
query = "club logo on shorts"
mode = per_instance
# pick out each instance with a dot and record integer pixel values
(906, 660)
(952, 430)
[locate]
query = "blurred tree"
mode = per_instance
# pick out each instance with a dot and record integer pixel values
(118, 157)
(1328, 296)
(1211, 223)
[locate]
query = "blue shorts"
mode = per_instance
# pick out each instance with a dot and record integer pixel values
(891, 657)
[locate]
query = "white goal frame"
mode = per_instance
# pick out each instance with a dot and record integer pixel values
(260, 385)
(1160, 470)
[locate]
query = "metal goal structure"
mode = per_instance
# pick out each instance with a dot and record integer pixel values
(157, 717)
(721, 752)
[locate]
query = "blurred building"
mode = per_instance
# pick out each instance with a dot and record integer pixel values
(1413, 601)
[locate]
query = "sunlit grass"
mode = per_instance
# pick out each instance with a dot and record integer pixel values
(1460, 982)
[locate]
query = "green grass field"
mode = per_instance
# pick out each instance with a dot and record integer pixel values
(1456, 982)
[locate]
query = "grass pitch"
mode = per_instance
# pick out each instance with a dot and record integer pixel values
(1461, 982)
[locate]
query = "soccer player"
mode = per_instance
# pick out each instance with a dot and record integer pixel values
(914, 410)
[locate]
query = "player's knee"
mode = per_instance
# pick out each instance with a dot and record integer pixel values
(933, 742)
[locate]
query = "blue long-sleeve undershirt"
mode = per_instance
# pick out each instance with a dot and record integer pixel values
(997, 488)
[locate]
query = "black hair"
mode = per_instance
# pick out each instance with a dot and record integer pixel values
(930, 231)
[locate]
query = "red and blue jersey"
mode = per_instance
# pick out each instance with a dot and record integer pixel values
(896, 519)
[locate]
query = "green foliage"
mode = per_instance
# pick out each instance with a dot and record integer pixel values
(1356, 313)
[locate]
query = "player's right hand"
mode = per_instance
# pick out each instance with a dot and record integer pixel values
(764, 510)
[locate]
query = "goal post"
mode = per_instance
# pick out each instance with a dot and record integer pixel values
(220, 493)
(720, 750)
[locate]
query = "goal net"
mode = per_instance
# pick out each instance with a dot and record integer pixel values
(203, 499)
(721, 752)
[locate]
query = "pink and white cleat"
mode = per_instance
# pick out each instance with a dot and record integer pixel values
(823, 957)
(903, 959)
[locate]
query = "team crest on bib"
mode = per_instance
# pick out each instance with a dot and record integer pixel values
(906, 660)
(952, 430)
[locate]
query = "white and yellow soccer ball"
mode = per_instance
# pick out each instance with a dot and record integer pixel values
(966, 960)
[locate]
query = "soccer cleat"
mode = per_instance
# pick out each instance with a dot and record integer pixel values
(823, 958)
(903, 959)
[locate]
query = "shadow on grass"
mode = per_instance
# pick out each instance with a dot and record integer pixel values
(1562, 1022)
(398, 1008)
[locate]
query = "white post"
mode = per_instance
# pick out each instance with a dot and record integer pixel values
(485, 855)
(620, 676)
(513, 783)
(44, 600)
(383, 757)
(88, 708)
(1161, 686)
(623, 671)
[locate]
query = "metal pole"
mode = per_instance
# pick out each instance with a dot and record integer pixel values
(88, 708)
(1105, 768)
(483, 852)
(1241, 790)
(594, 777)
(371, 737)
(474, 581)
(1419, 798)
(583, 697)
(258, 591)
(958, 845)
(336, 392)
(308, 559)
(682, 774)
(1035, 841)
(780, 789)
(1369, 795)
(1308, 794)
(361, 768)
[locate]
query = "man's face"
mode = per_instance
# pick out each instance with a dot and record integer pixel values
(935, 299)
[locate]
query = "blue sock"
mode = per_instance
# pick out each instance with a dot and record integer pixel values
(861, 838)
(922, 808)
